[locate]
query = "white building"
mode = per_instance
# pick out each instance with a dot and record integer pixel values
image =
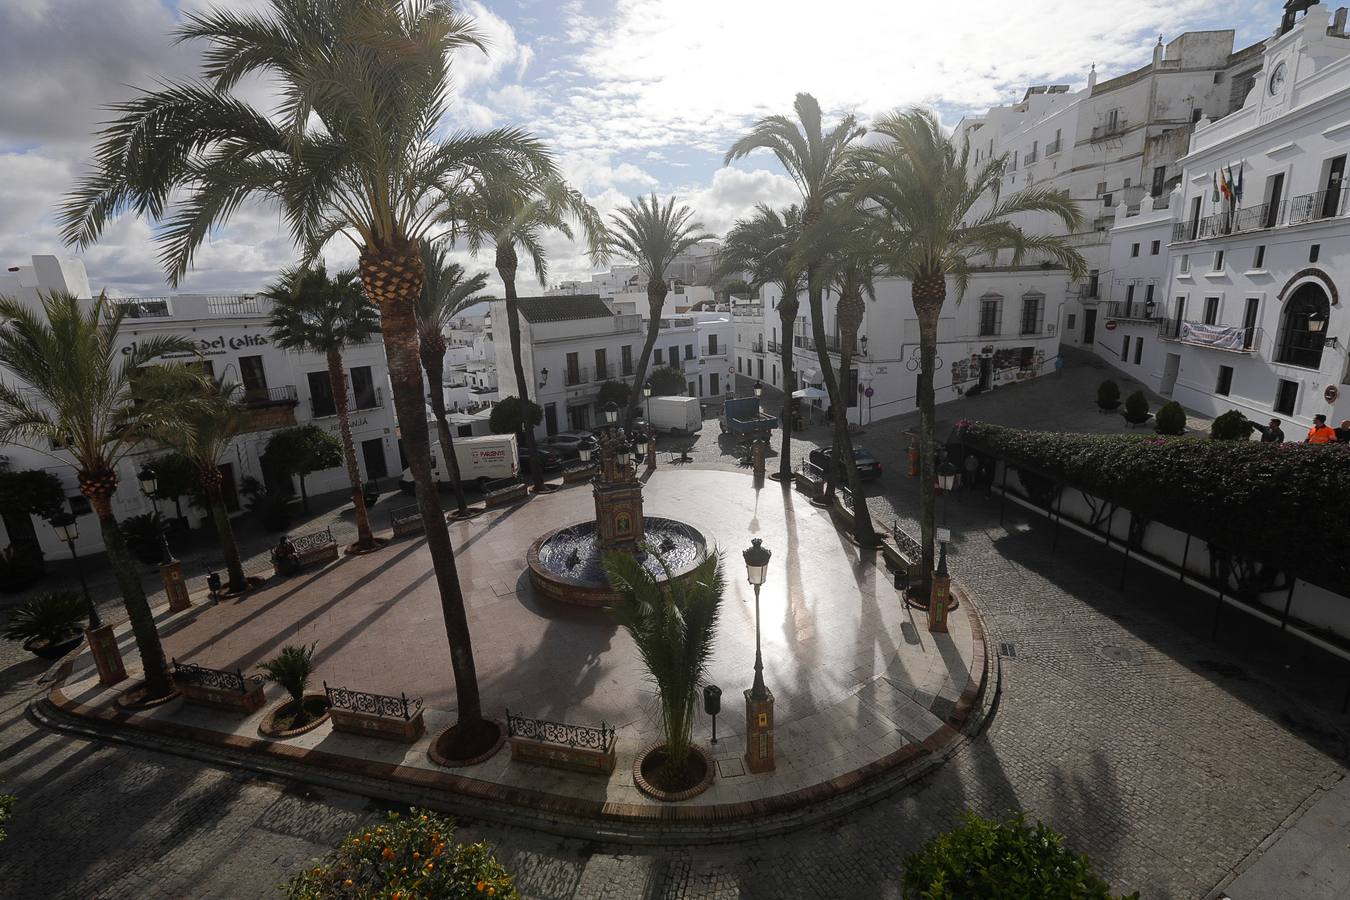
(281, 388)
(570, 345)
(1253, 318)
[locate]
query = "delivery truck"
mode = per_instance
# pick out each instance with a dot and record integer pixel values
(481, 459)
(675, 415)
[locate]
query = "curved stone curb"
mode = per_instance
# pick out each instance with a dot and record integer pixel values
(435, 755)
(268, 728)
(656, 793)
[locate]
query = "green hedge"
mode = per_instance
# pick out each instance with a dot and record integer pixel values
(1283, 504)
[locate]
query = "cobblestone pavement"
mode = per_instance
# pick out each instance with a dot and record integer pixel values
(1165, 754)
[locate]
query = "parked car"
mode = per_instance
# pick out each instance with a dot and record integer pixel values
(868, 465)
(552, 461)
(568, 444)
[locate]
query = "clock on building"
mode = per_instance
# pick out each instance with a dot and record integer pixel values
(1277, 79)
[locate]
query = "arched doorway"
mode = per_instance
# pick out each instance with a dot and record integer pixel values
(1303, 326)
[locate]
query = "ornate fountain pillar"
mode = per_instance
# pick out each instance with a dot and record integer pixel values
(618, 501)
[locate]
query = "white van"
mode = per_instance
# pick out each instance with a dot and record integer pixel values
(677, 415)
(481, 459)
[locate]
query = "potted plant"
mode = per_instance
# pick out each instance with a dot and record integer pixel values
(292, 668)
(1171, 419)
(49, 625)
(1108, 395)
(1136, 408)
(673, 624)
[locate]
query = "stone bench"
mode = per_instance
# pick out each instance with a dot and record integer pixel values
(314, 547)
(375, 715)
(504, 496)
(581, 472)
(407, 520)
(579, 748)
(219, 689)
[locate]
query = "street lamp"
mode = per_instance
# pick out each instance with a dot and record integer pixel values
(68, 530)
(543, 376)
(647, 400)
(584, 453)
(611, 413)
(946, 478)
(1316, 324)
(862, 342)
(756, 569)
(759, 390)
(624, 455)
(149, 482)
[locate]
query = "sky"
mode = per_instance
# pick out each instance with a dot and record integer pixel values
(632, 95)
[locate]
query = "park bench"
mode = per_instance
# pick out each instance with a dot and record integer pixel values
(504, 491)
(810, 480)
(406, 520)
(315, 547)
(218, 688)
(578, 472)
(375, 715)
(580, 748)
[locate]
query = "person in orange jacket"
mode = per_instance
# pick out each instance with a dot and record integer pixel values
(1320, 432)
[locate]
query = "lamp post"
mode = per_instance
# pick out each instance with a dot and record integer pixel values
(170, 569)
(759, 390)
(149, 482)
(759, 750)
(946, 478)
(862, 343)
(647, 401)
(68, 530)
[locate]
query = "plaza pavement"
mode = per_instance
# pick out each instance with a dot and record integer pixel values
(1174, 766)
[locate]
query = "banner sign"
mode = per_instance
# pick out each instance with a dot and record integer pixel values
(1223, 337)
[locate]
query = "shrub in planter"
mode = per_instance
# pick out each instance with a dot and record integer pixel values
(142, 536)
(21, 567)
(407, 856)
(1108, 394)
(1171, 418)
(1136, 408)
(991, 859)
(292, 669)
(1231, 426)
(47, 621)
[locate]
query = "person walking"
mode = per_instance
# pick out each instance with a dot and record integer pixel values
(1343, 433)
(1320, 432)
(1270, 434)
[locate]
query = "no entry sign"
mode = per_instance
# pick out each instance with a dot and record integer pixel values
(1110, 324)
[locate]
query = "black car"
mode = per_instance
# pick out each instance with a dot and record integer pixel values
(551, 459)
(868, 465)
(568, 444)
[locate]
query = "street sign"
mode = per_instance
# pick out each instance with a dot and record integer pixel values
(1110, 324)
(944, 535)
(1331, 393)
(731, 370)
(868, 393)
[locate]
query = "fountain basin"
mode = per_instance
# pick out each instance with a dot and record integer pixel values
(565, 564)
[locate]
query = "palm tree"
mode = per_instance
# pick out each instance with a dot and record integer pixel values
(312, 312)
(821, 164)
(652, 236)
(199, 418)
(446, 293)
(78, 396)
(851, 258)
(673, 625)
(762, 247)
(354, 150)
(520, 209)
(940, 211)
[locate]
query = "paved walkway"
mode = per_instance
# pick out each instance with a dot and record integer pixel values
(1169, 764)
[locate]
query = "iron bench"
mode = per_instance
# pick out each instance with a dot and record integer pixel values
(581, 748)
(316, 547)
(375, 715)
(218, 688)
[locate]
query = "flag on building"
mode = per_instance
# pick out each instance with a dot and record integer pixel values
(1224, 187)
(1237, 187)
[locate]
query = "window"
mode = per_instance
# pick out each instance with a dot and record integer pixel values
(626, 357)
(1126, 183)
(1101, 188)
(320, 395)
(759, 369)
(659, 359)
(1197, 114)
(1249, 330)
(80, 505)
(688, 351)
(254, 378)
(991, 315)
(1218, 261)
(740, 364)
(573, 375)
(1185, 263)
(1125, 349)
(1225, 381)
(1138, 350)
(1195, 218)
(1033, 305)
(1148, 293)
(1159, 180)
(1129, 297)
(712, 346)
(1303, 327)
(1259, 257)
(675, 355)
(1218, 78)
(1134, 250)
(1314, 252)
(1093, 283)
(1286, 396)
(1070, 321)
(1106, 201)
(1211, 311)
(601, 367)
(363, 388)
(1154, 247)
(1273, 195)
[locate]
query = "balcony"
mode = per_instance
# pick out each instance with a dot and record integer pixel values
(1314, 207)
(322, 407)
(1110, 129)
(757, 347)
(577, 376)
(257, 398)
(1134, 310)
(1212, 336)
(774, 347)
(1029, 159)
(1054, 147)
(712, 351)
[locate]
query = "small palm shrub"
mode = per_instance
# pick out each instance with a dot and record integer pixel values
(1108, 394)
(407, 856)
(21, 567)
(292, 668)
(1136, 408)
(142, 536)
(1171, 418)
(993, 860)
(55, 617)
(1231, 426)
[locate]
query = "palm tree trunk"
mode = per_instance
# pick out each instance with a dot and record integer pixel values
(843, 443)
(365, 540)
(433, 363)
(99, 490)
(506, 267)
(656, 301)
(220, 516)
(393, 276)
(929, 293)
(863, 532)
(789, 323)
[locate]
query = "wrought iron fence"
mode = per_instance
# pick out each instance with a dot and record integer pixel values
(564, 734)
(372, 704)
(905, 542)
(269, 396)
(315, 540)
(1311, 207)
(404, 514)
(220, 679)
